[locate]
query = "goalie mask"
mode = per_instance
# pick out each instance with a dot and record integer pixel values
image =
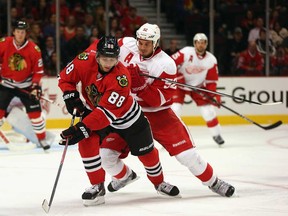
(149, 32)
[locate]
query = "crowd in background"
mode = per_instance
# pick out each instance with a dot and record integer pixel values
(239, 37)
(239, 32)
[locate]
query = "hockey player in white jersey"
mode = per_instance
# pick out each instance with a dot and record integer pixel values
(143, 55)
(198, 67)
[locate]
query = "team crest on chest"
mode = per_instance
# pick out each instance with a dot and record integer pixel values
(122, 80)
(190, 58)
(83, 56)
(16, 62)
(93, 94)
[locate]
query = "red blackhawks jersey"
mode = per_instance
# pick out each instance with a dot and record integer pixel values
(108, 95)
(158, 94)
(197, 70)
(20, 66)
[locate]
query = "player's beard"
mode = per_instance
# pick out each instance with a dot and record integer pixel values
(200, 51)
(145, 55)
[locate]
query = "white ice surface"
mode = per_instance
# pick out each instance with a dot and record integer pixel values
(253, 160)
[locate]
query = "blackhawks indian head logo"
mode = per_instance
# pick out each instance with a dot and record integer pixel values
(17, 62)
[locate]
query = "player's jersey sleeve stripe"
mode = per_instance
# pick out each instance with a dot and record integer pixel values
(13, 84)
(126, 120)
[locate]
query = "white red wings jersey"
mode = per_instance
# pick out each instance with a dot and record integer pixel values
(197, 70)
(158, 94)
(20, 66)
(107, 95)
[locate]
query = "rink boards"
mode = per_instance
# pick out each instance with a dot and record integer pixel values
(263, 90)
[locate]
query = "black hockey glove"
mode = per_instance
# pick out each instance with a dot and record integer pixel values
(85, 113)
(72, 100)
(36, 91)
(74, 134)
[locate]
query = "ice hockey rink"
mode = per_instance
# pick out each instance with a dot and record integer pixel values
(252, 159)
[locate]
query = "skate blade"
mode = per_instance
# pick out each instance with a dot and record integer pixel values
(97, 201)
(131, 181)
(168, 196)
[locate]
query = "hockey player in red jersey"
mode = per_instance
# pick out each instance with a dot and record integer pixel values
(143, 55)
(198, 67)
(21, 72)
(105, 86)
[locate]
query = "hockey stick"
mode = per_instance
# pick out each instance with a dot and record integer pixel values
(13, 147)
(45, 205)
(208, 91)
(268, 127)
(4, 138)
(31, 95)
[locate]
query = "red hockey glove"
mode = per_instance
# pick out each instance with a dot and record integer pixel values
(36, 91)
(213, 99)
(138, 82)
(216, 101)
(75, 134)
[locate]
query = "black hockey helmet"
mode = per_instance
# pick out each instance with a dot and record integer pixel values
(108, 46)
(20, 24)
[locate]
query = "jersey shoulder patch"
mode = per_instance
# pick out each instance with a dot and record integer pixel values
(122, 80)
(83, 56)
(37, 48)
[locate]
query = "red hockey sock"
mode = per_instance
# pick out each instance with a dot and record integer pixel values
(153, 166)
(122, 173)
(207, 174)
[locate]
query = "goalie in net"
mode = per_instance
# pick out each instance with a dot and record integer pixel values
(21, 125)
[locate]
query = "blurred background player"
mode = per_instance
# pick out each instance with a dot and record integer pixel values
(21, 72)
(21, 124)
(198, 67)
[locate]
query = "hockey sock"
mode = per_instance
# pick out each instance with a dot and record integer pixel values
(153, 166)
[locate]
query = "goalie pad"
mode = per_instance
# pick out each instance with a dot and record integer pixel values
(21, 124)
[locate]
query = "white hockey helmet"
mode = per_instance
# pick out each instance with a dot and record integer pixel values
(200, 36)
(149, 32)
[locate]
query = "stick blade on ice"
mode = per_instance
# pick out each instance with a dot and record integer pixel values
(45, 206)
(272, 126)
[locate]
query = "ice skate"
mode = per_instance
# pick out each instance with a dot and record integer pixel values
(94, 195)
(218, 139)
(44, 144)
(222, 188)
(167, 189)
(116, 184)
